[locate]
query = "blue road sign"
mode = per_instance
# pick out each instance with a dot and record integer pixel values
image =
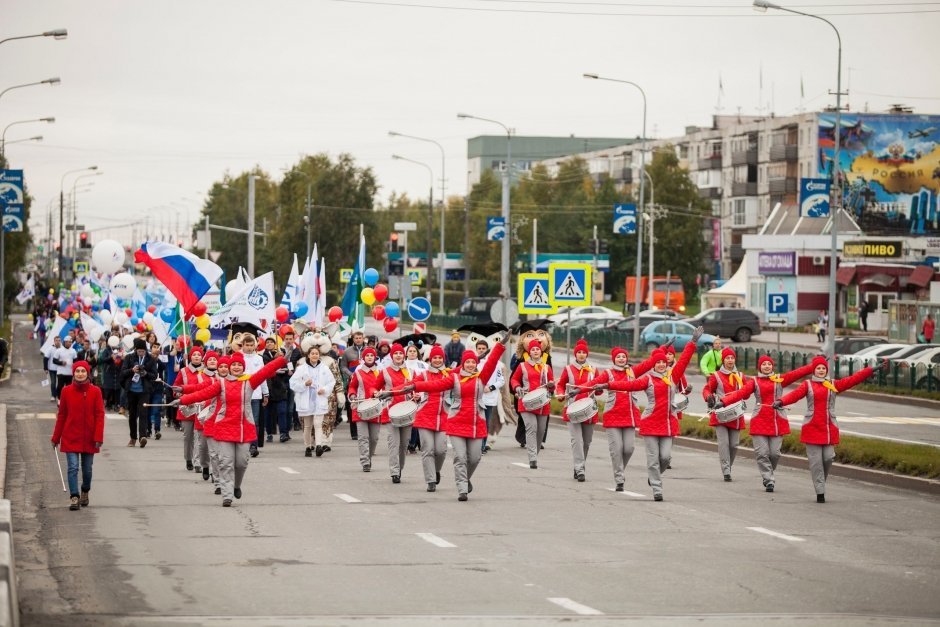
(778, 303)
(533, 294)
(495, 228)
(814, 198)
(419, 309)
(569, 284)
(625, 219)
(11, 200)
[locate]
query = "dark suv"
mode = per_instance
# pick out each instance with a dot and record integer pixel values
(738, 324)
(477, 307)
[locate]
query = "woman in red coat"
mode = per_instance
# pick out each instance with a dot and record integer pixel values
(431, 418)
(723, 381)
(582, 433)
(820, 431)
(658, 424)
(466, 422)
(79, 430)
(397, 375)
(768, 425)
(530, 375)
(365, 383)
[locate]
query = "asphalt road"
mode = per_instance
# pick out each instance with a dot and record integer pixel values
(316, 541)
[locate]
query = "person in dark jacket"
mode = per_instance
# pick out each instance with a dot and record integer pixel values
(275, 414)
(453, 350)
(110, 373)
(79, 430)
(138, 376)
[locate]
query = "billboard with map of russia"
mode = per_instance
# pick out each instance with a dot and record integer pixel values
(892, 168)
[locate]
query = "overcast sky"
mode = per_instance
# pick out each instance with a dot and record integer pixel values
(167, 96)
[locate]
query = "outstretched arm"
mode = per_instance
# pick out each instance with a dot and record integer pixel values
(679, 369)
(849, 382)
(437, 385)
(738, 395)
(489, 366)
(629, 385)
(207, 391)
(270, 369)
(793, 395)
(797, 374)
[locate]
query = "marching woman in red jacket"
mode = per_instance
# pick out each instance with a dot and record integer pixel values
(621, 415)
(466, 422)
(365, 384)
(820, 431)
(582, 433)
(723, 381)
(530, 375)
(396, 375)
(430, 420)
(191, 374)
(234, 427)
(768, 425)
(658, 423)
(79, 430)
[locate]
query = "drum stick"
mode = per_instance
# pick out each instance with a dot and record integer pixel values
(161, 405)
(58, 464)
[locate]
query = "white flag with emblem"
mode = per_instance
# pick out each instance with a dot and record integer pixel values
(255, 303)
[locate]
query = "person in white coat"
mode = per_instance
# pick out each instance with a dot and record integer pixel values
(491, 392)
(312, 384)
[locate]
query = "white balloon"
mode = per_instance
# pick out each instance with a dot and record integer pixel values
(148, 317)
(95, 334)
(105, 316)
(88, 300)
(108, 256)
(113, 341)
(123, 285)
(120, 318)
(87, 292)
(128, 342)
(233, 287)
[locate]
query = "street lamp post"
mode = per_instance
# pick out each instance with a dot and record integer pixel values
(639, 229)
(73, 219)
(763, 5)
(652, 240)
(3, 136)
(62, 215)
(441, 274)
(59, 33)
(49, 81)
(504, 257)
(430, 218)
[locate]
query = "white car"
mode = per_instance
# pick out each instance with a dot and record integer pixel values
(592, 311)
(873, 354)
(923, 369)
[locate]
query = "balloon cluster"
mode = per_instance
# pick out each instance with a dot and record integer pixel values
(375, 293)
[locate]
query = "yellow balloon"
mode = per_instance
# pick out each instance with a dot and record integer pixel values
(202, 322)
(203, 335)
(367, 296)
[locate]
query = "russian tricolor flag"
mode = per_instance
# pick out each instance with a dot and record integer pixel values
(184, 274)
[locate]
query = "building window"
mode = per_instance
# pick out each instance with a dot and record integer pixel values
(758, 295)
(739, 213)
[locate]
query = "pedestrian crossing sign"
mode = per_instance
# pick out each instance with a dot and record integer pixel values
(570, 284)
(534, 294)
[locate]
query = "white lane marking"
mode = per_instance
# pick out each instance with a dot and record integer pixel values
(436, 541)
(855, 413)
(635, 495)
(574, 606)
(882, 437)
(347, 498)
(289, 471)
(520, 464)
(777, 534)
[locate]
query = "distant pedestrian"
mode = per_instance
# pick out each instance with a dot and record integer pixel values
(863, 314)
(927, 329)
(711, 360)
(138, 376)
(63, 358)
(822, 323)
(453, 350)
(79, 430)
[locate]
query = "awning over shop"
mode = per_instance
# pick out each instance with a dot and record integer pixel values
(845, 274)
(879, 278)
(921, 276)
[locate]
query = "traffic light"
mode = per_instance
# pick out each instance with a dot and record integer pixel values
(83, 240)
(393, 242)
(602, 247)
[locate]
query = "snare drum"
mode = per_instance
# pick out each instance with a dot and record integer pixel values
(536, 399)
(582, 410)
(730, 413)
(403, 414)
(679, 402)
(370, 409)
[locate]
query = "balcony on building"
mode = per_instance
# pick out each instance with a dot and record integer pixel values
(711, 162)
(744, 157)
(784, 152)
(782, 185)
(623, 175)
(743, 189)
(709, 193)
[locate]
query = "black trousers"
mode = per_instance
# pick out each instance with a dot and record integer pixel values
(61, 381)
(137, 417)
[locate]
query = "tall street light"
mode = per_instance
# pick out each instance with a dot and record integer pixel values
(639, 216)
(55, 80)
(59, 33)
(73, 219)
(62, 213)
(441, 274)
(504, 257)
(430, 219)
(3, 136)
(763, 5)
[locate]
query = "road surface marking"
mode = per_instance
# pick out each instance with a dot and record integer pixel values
(635, 495)
(884, 437)
(347, 498)
(520, 464)
(575, 607)
(289, 471)
(436, 541)
(777, 534)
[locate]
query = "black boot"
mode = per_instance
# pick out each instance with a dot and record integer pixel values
(308, 452)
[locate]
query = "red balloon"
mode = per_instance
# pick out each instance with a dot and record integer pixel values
(183, 341)
(152, 308)
(141, 326)
(285, 329)
(199, 308)
(390, 324)
(381, 292)
(335, 313)
(129, 312)
(378, 312)
(281, 314)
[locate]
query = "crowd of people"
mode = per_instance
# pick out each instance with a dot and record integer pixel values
(229, 403)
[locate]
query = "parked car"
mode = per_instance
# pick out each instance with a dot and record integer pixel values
(911, 352)
(738, 324)
(851, 344)
(586, 325)
(646, 318)
(477, 307)
(658, 333)
(592, 311)
(873, 354)
(924, 369)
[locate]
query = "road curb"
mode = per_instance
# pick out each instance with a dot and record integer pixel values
(10, 612)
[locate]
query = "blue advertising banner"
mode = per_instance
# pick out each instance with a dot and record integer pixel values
(625, 219)
(495, 228)
(11, 200)
(814, 198)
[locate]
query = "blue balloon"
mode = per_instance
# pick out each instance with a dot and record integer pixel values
(167, 315)
(301, 310)
(392, 310)
(371, 276)
(135, 320)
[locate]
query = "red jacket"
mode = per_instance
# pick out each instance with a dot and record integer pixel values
(79, 425)
(720, 383)
(432, 412)
(465, 416)
(528, 377)
(620, 408)
(395, 378)
(819, 424)
(765, 420)
(658, 418)
(187, 376)
(575, 375)
(235, 421)
(210, 409)
(363, 384)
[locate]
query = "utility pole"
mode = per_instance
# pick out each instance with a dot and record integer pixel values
(309, 218)
(535, 244)
(251, 225)
(594, 273)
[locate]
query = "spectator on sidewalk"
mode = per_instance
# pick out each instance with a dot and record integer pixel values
(711, 360)
(822, 323)
(863, 315)
(928, 328)
(454, 350)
